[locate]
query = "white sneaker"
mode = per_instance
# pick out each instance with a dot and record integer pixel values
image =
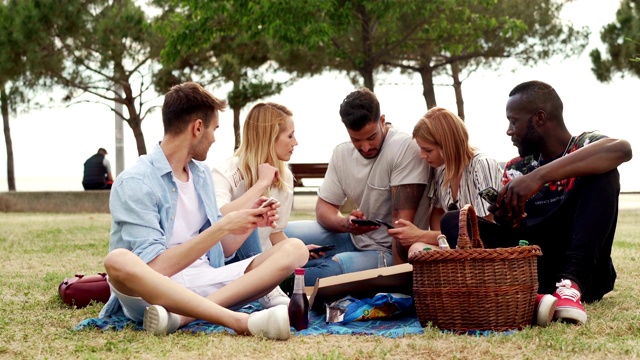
(271, 323)
(159, 321)
(274, 298)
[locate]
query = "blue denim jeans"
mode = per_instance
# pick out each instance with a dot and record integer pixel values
(345, 258)
(250, 247)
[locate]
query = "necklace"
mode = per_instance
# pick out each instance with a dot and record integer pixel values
(563, 154)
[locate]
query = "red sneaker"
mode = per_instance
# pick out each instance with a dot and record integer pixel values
(544, 309)
(569, 306)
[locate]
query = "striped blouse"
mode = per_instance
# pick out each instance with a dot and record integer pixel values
(481, 173)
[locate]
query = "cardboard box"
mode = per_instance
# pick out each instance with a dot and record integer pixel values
(362, 284)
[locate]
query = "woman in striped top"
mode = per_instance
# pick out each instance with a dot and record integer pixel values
(461, 171)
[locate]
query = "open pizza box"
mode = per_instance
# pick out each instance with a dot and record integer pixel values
(361, 284)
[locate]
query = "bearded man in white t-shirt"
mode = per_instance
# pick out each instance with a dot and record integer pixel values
(381, 172)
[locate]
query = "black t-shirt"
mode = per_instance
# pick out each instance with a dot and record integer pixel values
(553, 193)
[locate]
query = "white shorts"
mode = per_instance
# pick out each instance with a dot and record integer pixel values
(203, 280)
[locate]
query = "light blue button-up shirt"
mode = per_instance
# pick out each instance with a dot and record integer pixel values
(143, 204)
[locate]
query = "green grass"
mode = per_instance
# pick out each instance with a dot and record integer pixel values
(39, 250)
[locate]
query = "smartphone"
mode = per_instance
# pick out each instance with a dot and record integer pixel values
(489, 194)
(269, 202)
(323, 248)
(365, 222)
(385, 224)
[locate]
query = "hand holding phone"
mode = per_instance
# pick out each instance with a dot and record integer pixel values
(389, 226)
(365, 222)
(323, 248)
(489, 194)
(369, 222)
(270, 201)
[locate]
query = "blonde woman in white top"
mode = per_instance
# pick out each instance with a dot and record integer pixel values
(259, 168)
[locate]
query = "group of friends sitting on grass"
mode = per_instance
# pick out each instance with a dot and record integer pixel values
(188, 242)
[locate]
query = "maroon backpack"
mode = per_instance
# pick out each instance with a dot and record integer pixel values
(80, 290)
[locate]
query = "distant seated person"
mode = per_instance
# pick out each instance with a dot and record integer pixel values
(97, 172)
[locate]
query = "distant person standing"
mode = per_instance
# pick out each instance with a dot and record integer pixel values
(97, 172)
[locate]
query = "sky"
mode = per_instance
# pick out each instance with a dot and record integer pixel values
(51, 145)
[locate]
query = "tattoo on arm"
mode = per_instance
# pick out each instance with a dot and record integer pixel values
(406, 197)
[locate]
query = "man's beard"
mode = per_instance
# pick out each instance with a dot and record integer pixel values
(529, 143)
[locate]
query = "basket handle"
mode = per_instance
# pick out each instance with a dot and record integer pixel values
(468, 212)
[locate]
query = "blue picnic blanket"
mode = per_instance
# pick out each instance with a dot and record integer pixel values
(404, 324)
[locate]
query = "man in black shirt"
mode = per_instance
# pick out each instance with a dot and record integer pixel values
(97, 172)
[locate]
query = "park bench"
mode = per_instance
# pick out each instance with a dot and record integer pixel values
(307, 171)
(314, 171)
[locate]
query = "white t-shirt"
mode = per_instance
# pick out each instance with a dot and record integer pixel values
(190, 217)
(107, 164)
(230, 185)
(482, 172)
(368, 182)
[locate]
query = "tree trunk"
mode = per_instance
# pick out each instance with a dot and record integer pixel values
(366, 69)
(236, 103)
(426, 73)
(135, 124)
(4, 104)
(457, 87)
(367, 75)
(134, 120)
(236, 127)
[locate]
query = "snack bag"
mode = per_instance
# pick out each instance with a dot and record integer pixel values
(382, 305)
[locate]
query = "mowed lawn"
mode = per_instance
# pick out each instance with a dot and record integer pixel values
(39, 250)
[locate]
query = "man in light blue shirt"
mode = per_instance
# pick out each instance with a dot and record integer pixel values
(169, 240)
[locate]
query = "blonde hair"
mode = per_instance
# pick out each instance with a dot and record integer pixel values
(264, 123)
(445, 129)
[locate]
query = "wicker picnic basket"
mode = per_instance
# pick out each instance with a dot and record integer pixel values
(473, 288)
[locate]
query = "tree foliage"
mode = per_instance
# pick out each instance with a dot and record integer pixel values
(21, 67)
(107, 52)
(113, 52)
(457, 33)
(355, 36)
(439, 37)
(484, 33)
(534, 33)
(622, 48)
(208, 43)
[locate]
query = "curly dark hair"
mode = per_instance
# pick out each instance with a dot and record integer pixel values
(359, 108)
